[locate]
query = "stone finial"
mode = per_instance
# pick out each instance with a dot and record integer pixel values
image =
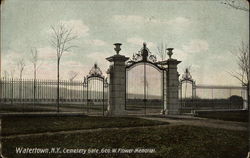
(117, 47)
(170, 52)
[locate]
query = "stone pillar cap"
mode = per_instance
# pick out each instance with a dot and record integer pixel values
(117, 57)
(173, 61)
(169, 61)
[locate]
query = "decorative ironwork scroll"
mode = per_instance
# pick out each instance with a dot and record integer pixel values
(143, 55)
(95, 72)
(187, 76)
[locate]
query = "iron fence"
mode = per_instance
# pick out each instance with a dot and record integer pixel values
(41, 95)
(211, 97)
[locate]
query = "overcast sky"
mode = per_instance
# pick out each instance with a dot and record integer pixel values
(203, 34)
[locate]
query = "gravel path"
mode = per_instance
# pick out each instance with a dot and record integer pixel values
(203, 122)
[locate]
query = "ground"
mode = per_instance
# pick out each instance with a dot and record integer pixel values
(170, 137)
(227, 115)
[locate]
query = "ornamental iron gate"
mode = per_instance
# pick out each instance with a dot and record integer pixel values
(209, 97)
(145, 84)
(97, 91)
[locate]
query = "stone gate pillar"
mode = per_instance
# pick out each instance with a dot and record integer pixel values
(173, 106)
(117, 83)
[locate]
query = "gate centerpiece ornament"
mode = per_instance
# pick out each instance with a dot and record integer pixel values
(143, 55)
(95, 71)
(187, 76)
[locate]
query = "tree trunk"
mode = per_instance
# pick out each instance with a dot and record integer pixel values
(248, 106)
(20, 86)
(34, 97)
(58, 72)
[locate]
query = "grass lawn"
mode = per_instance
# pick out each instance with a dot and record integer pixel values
(35, 124)
(240, 116)
(26, 108)
(168, 142)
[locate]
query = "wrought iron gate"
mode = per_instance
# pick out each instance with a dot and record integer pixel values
(97, 89)
(145, 84)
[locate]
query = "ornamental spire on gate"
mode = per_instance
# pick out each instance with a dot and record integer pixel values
(95, 71)
(143, 55)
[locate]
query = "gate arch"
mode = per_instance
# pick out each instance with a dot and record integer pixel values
(187, 89)
(144, 83)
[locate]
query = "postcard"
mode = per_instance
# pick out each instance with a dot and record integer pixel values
(156, 79)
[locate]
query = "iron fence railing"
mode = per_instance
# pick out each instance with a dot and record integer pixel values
(209, 97)
(44, 92)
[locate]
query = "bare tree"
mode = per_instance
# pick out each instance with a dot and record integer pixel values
(61, 40)
(238, 4)
(21, 64)
(6, 74)
(72, 75)
(34, 60)
(12, 72)
(243, 75)
(243, 65)
(162, 51)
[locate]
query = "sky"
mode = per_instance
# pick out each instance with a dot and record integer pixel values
(204, 34)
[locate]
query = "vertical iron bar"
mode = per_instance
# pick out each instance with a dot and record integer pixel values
(213, 98)
(185, 101)
(58, 78)
(87, 95)
(181, 93)
(42, 90)
(12, 91)
(5, 86)
(2, 89)
(70, 91)
(9, 89)
(103, 96)
(126, 84)
(46, 91)
(144, 88)
(162, 91)
(230, 99)
(82, 93)
(38, 91)
(22, 93)
(61, 92)
(25, 90)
